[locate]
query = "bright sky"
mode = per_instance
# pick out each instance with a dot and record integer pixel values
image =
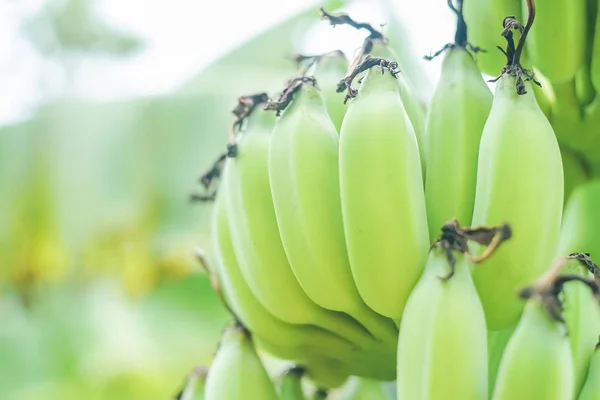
(181, 38)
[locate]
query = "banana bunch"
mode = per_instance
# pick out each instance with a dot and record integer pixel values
(336, 237)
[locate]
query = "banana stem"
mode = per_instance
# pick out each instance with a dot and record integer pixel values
(521, 44)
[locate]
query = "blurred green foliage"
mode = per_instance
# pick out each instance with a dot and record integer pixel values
(100, 294)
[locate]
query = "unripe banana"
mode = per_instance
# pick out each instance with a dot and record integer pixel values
(194, 385)
(415, 111)
(578, 234)
(363, 389)
(326, 355)
(303, 172)
(257, 243)
(383, 204)
(291, 384)
(442, 348)
(237, 371)
(484, 19)
(582, 318)
(519, 179)
(537, 362)
(286, 340)
(328, 71)
(497, 341)
(459, 109)
(557, 40)
(591, 388)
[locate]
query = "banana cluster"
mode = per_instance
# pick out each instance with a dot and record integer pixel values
(377, 239)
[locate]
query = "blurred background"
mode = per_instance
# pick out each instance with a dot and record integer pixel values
(109, 112)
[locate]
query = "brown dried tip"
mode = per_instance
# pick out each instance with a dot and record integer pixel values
(344, 19)
(453, 238)
(513, 53)
(369, 62)
(244, 108)
(551, 284)
(287, 95)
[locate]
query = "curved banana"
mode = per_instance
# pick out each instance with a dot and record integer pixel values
(519, 179)
(578, 234)
(383, 204)
(557, 40)
(303, 172)
(442, 348)
(194, 385)
(301, 339)
(591, 388)
(291, 384)
(484, 19)
(537, 362)
(330, 68)
(317, 349)
(457, 114)
(257, 243)
(237, 370)
(582, 318)
(497, 341)
(363, 389)
(417, 114)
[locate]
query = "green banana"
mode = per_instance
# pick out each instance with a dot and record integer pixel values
(421, 87)
(537, 362)
(457, 114)
(557, 40)
(237, 370)
(363, 389)
(300, 339)
(442, 347)
(291, 384)
(582, 318)
(257, 243)
(194, 385)
(519, 179)
(328, 71)
(383, 204)
(581, 219)
(497, 341)
(417, 114)
(591, 388)
(303, 173)
(484, 19)
(327, 357)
